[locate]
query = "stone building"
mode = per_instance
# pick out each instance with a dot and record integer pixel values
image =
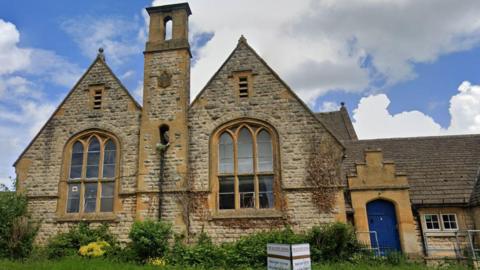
(238, 159)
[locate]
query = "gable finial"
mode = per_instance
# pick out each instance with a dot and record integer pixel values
(100, 53)
(242, 39)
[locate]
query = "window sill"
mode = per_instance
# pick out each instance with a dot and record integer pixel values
(247, 214)
(87, 217)
(439, 233)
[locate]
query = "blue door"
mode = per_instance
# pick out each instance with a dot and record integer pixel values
(382, 219)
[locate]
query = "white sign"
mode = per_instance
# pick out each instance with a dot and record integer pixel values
(302, 264)
(288, 257)
(278, 264)
(279, 250)
(301, 250)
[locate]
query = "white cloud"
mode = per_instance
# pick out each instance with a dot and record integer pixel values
(119, 37)
(24, 108)
(319, 46)
(12, 58)
(329, 106)
(373, 120)
(465, 109)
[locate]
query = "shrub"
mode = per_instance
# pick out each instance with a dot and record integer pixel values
(17, 232)
(203, 253)
(333, 242)
(94, 249)
(251, 250)
(66, 244)
(150, 238)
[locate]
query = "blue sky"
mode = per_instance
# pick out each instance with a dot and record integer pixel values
(404, 68)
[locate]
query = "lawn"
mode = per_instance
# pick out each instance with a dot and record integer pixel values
(90, 264)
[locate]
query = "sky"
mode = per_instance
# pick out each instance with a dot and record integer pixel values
(402, 67)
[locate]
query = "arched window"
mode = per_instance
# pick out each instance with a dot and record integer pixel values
(245, 167)
(168, 24)
(92, 172)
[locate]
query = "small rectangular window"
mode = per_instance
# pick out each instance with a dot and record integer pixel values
(90, 197)
(265, 183)
(227, 192)
(73, 201)
(432, 222)
(449, 221)
(106, 204)
(243, 86)
(247, 191)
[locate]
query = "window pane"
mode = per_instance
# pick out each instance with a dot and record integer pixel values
(107, 197)
(264, 149)
(247, 191)
(225, 154)
(449, 222)
(93, 158)
(90, 197)
(266, 191)
(227, 192)
(245, 152)
(109, 160)
(73, 201)
(76, 161)
(432, 223)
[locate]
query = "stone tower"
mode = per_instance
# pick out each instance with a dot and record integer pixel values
(163, 150)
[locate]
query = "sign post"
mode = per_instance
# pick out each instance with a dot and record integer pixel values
(288, 257)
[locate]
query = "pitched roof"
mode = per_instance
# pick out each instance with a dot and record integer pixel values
(99, 59)
(475, 199)
(339, 123)
(242, 41)
(440, 170)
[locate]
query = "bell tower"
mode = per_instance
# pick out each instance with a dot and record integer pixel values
(163, 149)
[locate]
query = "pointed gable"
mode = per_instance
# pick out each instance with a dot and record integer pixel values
(245, 59)
(98, 73)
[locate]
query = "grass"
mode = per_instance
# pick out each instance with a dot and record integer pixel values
(76, 263)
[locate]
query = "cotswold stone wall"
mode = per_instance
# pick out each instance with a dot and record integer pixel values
(269, 101)
(40, 167)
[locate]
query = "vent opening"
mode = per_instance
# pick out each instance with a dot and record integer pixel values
(97, 99)
(243, 86)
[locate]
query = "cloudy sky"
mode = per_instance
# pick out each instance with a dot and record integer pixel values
(403, 67)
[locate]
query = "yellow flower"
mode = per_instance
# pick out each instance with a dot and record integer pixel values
(94, 249)
(157, 261)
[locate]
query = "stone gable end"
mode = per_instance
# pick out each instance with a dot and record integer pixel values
(271, 101)
(39, 168)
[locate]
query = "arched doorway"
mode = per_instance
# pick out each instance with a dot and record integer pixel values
(382, 219)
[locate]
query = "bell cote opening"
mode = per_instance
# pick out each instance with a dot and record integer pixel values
(168, 27)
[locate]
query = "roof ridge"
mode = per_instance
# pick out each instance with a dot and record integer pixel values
(455, 136)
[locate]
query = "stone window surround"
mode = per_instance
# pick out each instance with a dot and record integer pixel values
(217, 213)
(93, 90)
(62, 214)
(248, 74)
(441, 222)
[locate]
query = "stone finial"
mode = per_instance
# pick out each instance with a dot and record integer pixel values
(100, 53)
(342, 104)
(242, 39)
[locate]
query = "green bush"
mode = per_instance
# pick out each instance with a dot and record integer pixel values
(333, 242)
(67, 244)
(251, 250)
(150, 238)
(17, 232)
(203, 253)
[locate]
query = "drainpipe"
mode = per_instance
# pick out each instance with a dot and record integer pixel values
(161, 148)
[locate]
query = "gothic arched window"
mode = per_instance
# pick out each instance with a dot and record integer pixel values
(93, 162)
(245, 166)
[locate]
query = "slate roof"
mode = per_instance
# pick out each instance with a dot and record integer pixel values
(440, 170)
(339, 123)
(475, 200)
